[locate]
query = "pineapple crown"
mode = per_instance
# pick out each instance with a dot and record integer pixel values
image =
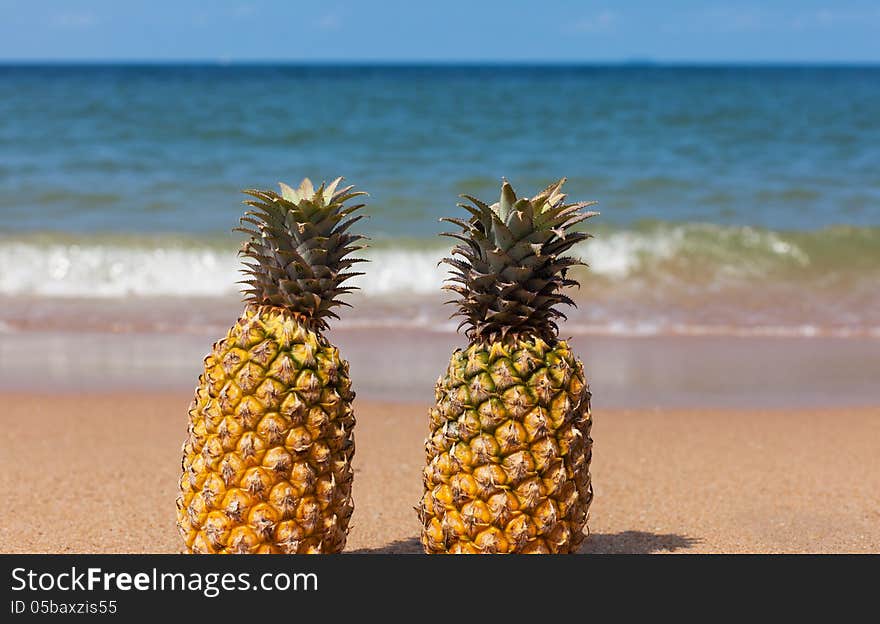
(509, 267)
(297, 255)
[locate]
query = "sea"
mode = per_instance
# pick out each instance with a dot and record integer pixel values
(735, 200)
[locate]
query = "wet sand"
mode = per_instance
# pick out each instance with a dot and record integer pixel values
(98, 473)
(402, 364)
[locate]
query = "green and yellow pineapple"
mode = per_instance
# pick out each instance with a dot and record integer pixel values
(508, 458)
(267, 462)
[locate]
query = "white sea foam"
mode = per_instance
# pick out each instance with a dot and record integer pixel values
(107, 270)
(401, 271)
(100, 269)
(401, 287)
(113, 268)
(619, 253)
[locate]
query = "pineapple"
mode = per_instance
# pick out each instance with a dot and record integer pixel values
(508, 458)
(267, 462)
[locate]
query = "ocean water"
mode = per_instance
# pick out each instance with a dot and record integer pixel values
(734, 200)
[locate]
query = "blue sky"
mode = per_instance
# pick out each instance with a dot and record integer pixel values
(450, 30)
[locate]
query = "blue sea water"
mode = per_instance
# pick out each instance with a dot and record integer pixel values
(730, 196)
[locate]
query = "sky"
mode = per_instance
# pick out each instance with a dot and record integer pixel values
(441, 30)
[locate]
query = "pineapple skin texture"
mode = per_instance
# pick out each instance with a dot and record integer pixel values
(508, 460)
(267, 462)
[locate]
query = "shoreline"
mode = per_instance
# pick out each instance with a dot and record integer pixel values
(402, 364)
(105, 468)
(617, 317)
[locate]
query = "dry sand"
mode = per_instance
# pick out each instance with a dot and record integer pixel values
(98, 473)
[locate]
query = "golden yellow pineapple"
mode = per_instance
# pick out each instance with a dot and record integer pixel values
(267, 462)
(508, 458)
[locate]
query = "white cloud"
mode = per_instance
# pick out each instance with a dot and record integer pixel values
(734, 20)
(754, 19)
(826, 18)
(329, 21)
(206, 18)
(72, 20)
(244, 10)
(603, 21)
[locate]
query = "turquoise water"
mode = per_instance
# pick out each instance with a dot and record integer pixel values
(732, 198)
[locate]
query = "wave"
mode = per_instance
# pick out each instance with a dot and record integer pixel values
(48, 266)
(51, 267)
(687, 255)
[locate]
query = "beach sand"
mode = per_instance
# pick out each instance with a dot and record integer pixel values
(97, 473)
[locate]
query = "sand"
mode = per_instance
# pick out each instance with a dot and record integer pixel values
(98, 474)
(742, 372)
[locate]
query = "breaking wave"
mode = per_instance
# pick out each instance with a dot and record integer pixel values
(54, 265)
(653, 278)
